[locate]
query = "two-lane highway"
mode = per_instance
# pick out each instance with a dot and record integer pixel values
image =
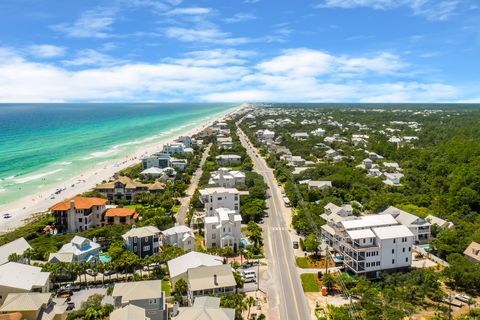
(286, 295)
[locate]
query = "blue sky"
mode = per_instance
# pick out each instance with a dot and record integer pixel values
(240, 50)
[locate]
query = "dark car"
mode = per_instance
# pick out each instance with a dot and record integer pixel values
(295, 244)
(70, 306)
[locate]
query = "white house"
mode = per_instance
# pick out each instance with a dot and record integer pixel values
(370, 244)
(300, 136)
(439, 222)
(419, 227)
(215, 198)
(174, 148)
(319, 185)
(177, 268)
(227, 178)
(180, 236)
(205, 308)
(265, 135)
(228, 159)
(17, 278)
(18, 247)
(318, 132)
(367, 163)
(80, 249)
(392, 179)
(223, 229)
(225, 142)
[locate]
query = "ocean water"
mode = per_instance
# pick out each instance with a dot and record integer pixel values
(43, 144)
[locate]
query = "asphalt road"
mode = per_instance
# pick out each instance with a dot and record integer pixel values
(286, 297)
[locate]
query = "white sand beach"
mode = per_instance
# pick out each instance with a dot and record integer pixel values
(23, 208)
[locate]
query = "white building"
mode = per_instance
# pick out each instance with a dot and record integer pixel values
(300, 136)
(227, 178)
(223, 229)
(228, 159)
(265, 135)
(419, 227)
(204, 281)
(439, 222)
(392, 179)
(180, 236)
(367, 163)
(174, 148)
(79, 249)
(370, 244)
(215, 198)
(318, 132)
(319, 185)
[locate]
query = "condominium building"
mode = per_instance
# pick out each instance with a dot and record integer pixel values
(174, 148)
(370, 244)
(215, 198)
(124, 188)
(223, 229)
(78, 214)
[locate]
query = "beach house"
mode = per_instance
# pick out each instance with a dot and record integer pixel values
(179, 236)
(159, 160)
(18, 278)
(205, 308)
(124, 188)
(227, 178)
(214, 198)
(33, 306)
(225, 142)
(120, 216)
(78, 214)
(418, 226)
(223, 229)
(228, 159)
(211, 280)
(473, 252)
(174, 148)
(178, 267)
(147, 295)
(78, 250)
(144, 241)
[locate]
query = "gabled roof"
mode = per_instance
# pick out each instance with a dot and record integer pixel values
(130, 184)
(190, 260)
(79, 203)
(404, 217)
(206, 308)
(28, 301)
(473, 251)
(16, 246)
(66, 257)
(142, 232)
(202, 278)
(138, 290)
(129, 312)
(75, 246)
(22, 276)
(368, 221)
(390, 232)
(176, 230)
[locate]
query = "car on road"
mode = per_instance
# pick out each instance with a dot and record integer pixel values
(70, 306)
(70, 286)
(7, 216)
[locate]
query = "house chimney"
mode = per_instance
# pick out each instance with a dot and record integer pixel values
(215, 280)
(72, 204)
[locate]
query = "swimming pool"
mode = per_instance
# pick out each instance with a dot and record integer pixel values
(104, 257)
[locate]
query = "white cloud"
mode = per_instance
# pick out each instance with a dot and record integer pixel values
(240, 17)
(91, 24)
(218, 75)
(92, 57)
(207, 34)
(189, 11)
(46, 51)
(431, 9)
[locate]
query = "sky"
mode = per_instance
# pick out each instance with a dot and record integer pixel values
(240, 51)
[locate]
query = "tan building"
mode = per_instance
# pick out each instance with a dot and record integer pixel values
(120, 216)
(78, 213)
(473, 252)
(21, 278)
(34, 306)
(125, 188)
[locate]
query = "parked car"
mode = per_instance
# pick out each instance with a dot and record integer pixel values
(249, 276)
(463, 297)
(70, 306)
(7, 216)
(295, 244)
(70, 286)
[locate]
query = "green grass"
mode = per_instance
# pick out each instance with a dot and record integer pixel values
(309, 282)
(302, 262)
(166, 287)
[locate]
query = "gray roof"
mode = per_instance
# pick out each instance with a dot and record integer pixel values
(202, 278)
(138, 290)
(17, 246)
(27, 301)
(142, 232)
(22, 276)
(206, 308)
(404, 217)
(191, 260)
(129, 312)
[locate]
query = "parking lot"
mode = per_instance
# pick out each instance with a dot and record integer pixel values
(82, 296)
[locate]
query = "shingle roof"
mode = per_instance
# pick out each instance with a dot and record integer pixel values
(28, 301)
(190, 260)
(79, 203)
(206, 308)
(202, 278)
(142, 232)
(473, 251)
(22, 276)
(131, 184)
(129, 312)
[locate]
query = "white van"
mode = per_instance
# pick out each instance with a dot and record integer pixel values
(249, 276)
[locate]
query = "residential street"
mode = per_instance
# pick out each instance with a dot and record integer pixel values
(285, 293)
(185, 201)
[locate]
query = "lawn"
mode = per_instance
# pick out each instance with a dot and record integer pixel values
(166, 287)
(309, 282)
(310, 262)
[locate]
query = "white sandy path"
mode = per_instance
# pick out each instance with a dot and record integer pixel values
(25, 207)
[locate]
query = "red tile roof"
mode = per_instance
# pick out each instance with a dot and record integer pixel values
(120, 212)
(79, 202)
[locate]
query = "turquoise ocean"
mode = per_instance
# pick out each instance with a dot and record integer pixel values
(43, 144)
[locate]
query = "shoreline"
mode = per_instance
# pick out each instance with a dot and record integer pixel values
(24, 208)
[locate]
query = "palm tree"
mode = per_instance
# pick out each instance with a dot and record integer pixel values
(250, 301)
(28, 253)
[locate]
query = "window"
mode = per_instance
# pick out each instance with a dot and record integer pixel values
(393, 251)
(409, 249)
(80, 220)
(213, 226)
(393, 261)
(223, 229)
(403, 249)
(152, 301)
(394, 240)
(377, 263)
(406, 259)
(363, 240)
(214, 236)
(146, 248)
(219, 198)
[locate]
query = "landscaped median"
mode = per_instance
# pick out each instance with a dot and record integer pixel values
(310, 282)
